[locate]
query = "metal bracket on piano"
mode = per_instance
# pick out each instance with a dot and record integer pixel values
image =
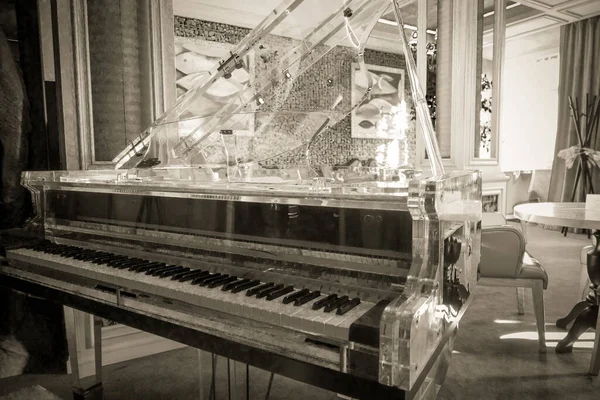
(228, 66)
(119, 293)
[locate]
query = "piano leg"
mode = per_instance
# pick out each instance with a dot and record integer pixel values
(200, 379)
(206, 393)
(232, 379)
(344, 367)
(76, 341)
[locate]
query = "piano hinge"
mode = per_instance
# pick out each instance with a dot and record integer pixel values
(228, 66)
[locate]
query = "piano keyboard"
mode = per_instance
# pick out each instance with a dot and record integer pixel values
(311, 311)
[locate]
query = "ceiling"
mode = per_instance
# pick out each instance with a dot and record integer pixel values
(531, 25)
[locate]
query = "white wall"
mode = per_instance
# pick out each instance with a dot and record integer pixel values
(529, 112)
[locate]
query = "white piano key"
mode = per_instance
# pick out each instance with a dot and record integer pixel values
(302, 318)
(319, 320)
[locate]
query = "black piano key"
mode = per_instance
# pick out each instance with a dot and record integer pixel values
(306, 298)
(335, 304)
(244, 286)
(201, 278)
(181, 274)
(117, 260)
(172, 272)
(193, 275)
(203, 281)
(292, 297)
(146, 267)
(60, 249)
(81, 254)
(104, 255)
(324, 301)
(257, 289)
(141, 266)
(116, 263)
(100, 256)
(347, 306)
(75, 255)
(279, 293)
(222, 281)
(71, 253)
(157, 267)
(104, 260)
(157, 271)
(54, 249)
(91, 256)
(124, 260)
(265, 292)
(232, 284)
(87, 257)
(166, 269)
(130, 263)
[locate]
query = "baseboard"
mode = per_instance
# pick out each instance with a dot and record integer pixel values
(122, 343)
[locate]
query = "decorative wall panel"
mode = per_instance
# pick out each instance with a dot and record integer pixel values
(332, 147)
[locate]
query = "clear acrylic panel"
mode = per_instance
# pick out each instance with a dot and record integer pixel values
(235, 116)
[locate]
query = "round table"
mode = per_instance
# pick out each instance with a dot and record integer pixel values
(572, 215)
(585, 313)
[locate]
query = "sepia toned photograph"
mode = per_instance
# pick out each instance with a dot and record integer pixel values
(299, 199)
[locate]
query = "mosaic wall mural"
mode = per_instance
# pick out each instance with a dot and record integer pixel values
(315, 90)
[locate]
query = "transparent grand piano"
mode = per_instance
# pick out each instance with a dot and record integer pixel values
(227, 226)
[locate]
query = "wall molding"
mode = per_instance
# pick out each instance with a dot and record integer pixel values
(73, 76)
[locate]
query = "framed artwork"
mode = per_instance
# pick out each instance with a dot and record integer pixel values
(194, 58)
(490, 202)
(383, 115)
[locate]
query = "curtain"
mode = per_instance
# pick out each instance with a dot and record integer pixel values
(14, 130)
(579, 76)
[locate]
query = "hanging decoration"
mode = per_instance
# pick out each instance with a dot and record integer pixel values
(582, 154)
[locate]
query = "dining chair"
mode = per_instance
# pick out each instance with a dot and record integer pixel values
(584, 280)
(506, 263)
(489, 219)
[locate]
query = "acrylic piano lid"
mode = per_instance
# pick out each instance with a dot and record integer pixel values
(268, 112)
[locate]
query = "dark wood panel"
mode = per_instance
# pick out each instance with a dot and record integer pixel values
(31, 67)
(8, 18)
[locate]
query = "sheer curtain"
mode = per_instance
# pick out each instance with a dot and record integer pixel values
(579, 75)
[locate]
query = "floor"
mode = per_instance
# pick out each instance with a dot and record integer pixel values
(496, 354)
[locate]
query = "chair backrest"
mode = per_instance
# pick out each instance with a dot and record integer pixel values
(502, 249)
(492, 219)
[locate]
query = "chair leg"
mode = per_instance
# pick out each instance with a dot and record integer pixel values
(524, 229)
(595, 363)
(584, 282)
(520, 300)
(537, 290)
